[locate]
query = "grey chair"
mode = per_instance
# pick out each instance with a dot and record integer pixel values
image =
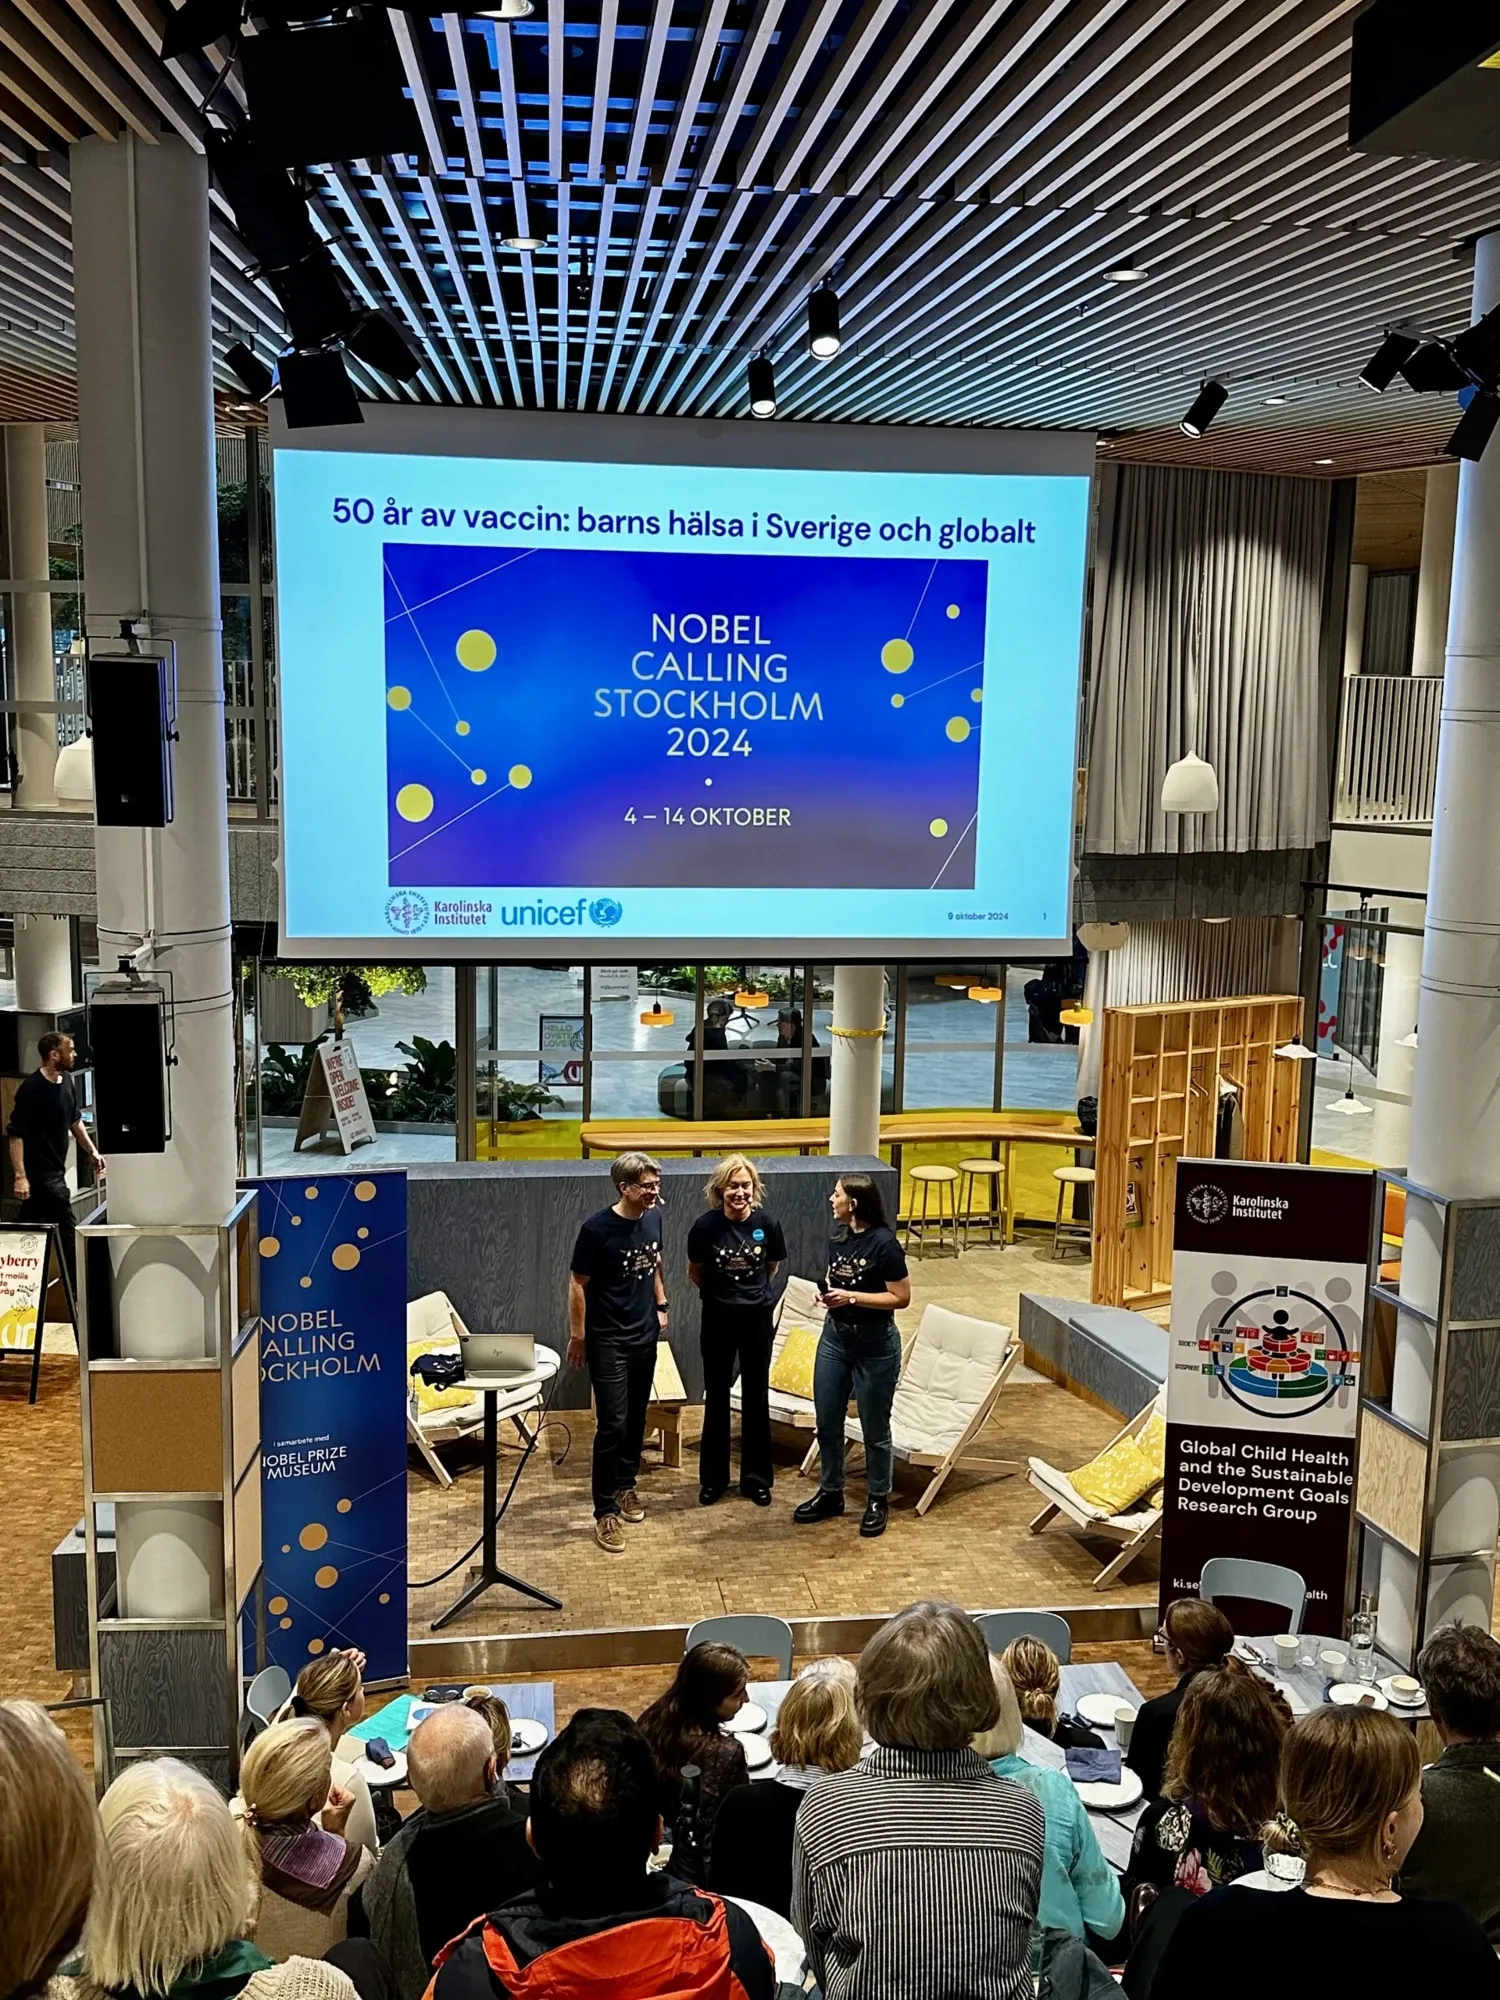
(757, 1635)
(265, 1695)
(1000, 1627)
(1266, 1583)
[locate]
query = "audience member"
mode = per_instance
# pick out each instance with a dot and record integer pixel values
(599, 1924)
(683, 1726)
(915, 1875)
(817, 1731)
(173, 1913)
(1457, 1852)
(461, 1854)
(1198, 1636)
(830, 1667)
(49, 1849)
(307, 1871)
(1033, 1672)
(332, 1688)
(1080, 1891)
(1351, 1804)
(1220, 1785)
(497, 1715)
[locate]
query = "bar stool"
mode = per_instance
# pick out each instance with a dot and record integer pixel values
(936, 1185)
(991, 1173)
(1071, 1232)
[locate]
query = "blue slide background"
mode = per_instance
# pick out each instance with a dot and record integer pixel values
(555, 625)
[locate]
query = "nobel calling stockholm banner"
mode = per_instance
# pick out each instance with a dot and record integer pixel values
(333, 1417)
(1268, 1293)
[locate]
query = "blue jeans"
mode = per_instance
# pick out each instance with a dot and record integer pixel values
(869, 1363)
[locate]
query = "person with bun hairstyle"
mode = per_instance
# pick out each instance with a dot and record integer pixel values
(734, 1251)
(1031, 1668)
(1198, 1636)
(332, 1689)
(1351, 1806)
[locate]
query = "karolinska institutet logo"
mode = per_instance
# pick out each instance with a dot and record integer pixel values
(1207, 1202)
(407, 913)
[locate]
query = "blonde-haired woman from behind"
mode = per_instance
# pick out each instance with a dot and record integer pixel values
(307, 1871)
(1031, 1668)
(332, 1689)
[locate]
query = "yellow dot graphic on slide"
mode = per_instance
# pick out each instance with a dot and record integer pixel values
(385, 1597)
(414, 802)
(398, 697)
(976, 694)
(286, 1624)
(311, 1193)
(296, 1222)
(269, 1245)
(520, 776)
(345, 1257)
(898, 701)
(305, 1283)
(462, 728)
(896, 655)
(313, 1536)
(480, 777)
(286, 1548)
(326, 1577)
(346, 1506)
(957, 728)
(476, 651)
(937, 828)
(315, 1645)
(276, 1605)
(365, 1190)
(952, 610)
(361, 1233)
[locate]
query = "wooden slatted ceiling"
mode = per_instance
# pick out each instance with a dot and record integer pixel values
(968, 173)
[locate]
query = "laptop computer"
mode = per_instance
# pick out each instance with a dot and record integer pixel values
(498, 1353)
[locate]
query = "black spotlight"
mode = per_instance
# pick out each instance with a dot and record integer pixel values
(1386, 363)
(316, 390)
(762, 386)
(1476, 426)
(380, 342)
(270, 211)
(252, 371)
(197, 23)
(1432, 370)
(823, 340)
(313, 297)
(1478, 348)
(1206, 405)
(328, 93)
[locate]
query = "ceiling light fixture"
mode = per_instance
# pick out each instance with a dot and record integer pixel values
(1127, 273)
(658, 1017)
(1075, 1017)
(1432, 370)
(1322, 461)
(1407, 1041)
(1296, 1050)
(1388, 360)
(508, 10)
(1350, 1106)
(751, 996)
(988, 994)
(1272, 402)
(250, 370)
(823, 337)
(1190, 786)
(524, 244)
(762, 383)
(1205, 406)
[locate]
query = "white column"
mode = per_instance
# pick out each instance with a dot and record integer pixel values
(1354, 619)
(146, 452)
(1390, 1128)
(25, 475)
(854, 1069)
(44, 966)
(1455, 1136)
(1435, 578)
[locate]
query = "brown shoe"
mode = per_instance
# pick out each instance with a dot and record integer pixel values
(609, 1534)
(631, 1509)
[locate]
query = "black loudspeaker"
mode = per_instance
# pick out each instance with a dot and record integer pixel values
(130, 1071)
(130, 721)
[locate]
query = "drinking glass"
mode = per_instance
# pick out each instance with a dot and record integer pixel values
(1362, 1643)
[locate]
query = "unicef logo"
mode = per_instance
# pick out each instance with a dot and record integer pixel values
(1207, 1203)
(407, 912)
(605, 912)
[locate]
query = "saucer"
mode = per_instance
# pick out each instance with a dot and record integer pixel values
(1356, 1694)
(1099, 1709)
(526, 1736)
(1416, 1700)
(757, 1752)
(1113, 1798)
(747, 1718)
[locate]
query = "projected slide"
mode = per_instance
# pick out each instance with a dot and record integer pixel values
(600, 707)
(703, 720)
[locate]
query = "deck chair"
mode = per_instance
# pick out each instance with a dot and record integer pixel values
(798, 1306)
(1134, 1530)
(951, 1377)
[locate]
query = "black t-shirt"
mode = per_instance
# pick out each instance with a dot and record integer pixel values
(735, 1258)
(864, 1260)
(619, 1258)
(42, 1117)
(1259, 1941)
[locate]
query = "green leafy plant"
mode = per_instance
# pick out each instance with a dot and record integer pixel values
(427, 1092)
(350, 990)
(517, 1103)
(283, 1077)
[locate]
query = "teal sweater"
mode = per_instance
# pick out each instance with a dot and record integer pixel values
(1079, 1888)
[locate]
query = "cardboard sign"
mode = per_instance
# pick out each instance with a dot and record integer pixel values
(1268, 1293)
(336, 1093)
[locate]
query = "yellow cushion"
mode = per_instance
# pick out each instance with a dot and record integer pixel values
(458, 1398)
(1153, 1442)
(1117, 1478)
(1154, 1500)
(792, 1371)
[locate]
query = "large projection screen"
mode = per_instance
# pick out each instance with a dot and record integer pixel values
(611, 687)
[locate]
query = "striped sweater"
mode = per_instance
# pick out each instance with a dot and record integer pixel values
(916, 1876)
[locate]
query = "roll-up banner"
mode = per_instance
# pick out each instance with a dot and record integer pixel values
(1268, 1295)
(333, 1418)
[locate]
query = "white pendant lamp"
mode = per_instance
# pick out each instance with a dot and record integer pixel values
(1103, 937)
(1351, 1106)
(1407, 1041)
(1190, 786)
(1296, 1050)
(73, 774)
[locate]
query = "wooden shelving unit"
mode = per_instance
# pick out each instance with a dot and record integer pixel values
(1159, 1102)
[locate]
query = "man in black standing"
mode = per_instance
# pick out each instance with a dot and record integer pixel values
(44, 1114)
(617, 1311)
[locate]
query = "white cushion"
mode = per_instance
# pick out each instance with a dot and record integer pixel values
(800, 1305)
(432, 1317)
(951, 1368)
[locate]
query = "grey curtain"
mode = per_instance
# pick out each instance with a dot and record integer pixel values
(1208, 615)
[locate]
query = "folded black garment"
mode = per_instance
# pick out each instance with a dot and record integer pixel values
(439, 1371)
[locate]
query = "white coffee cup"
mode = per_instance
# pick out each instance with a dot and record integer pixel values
(1404, 1688)
(1124, 1727)
(1287, 1647)
(1334, 1665)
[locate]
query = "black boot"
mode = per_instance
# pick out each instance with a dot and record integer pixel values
(823, 1506)
(707, 1495)
(872, 1522)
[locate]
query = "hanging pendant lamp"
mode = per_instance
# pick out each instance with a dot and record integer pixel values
(1190, 786)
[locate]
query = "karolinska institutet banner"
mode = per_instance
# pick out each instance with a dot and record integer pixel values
(1268, 1290)
(333, 1417)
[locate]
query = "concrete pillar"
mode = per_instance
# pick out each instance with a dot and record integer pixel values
(1455, 1136)
(1354, 619)
(44, 965)
(146, 453)
(1390, 1128)
(1435, 578)
(25, 556)
(854, 1069)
